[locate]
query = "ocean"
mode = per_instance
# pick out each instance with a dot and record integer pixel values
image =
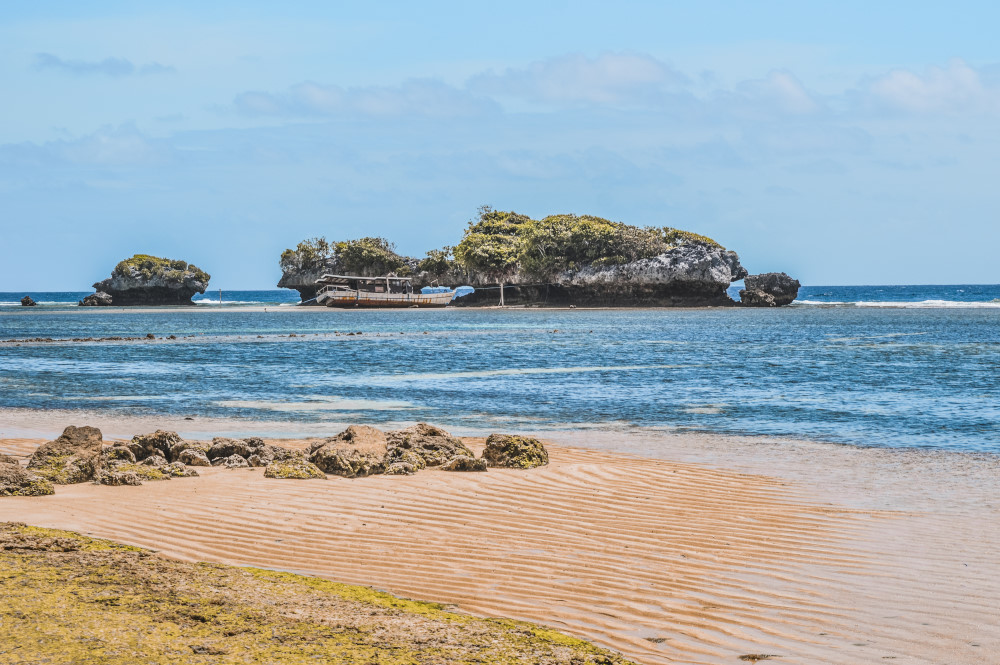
(896, 366)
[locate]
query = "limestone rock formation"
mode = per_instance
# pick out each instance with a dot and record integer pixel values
(193, 457)
(99, 299)
(71, 458)
(431, 444)
(515, 452)
(15, 480)
(297, 468)
(27, 301)
(144, 457)
(359, 450)
(464, 463)
(232, 462)
(150, 280)
(8, 459)
(772, 289)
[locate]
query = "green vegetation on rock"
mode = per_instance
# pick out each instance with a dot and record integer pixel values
(502, 244)
(71, 599)
(170, 270)
(514, 451)
(364, 256)
(298, 469)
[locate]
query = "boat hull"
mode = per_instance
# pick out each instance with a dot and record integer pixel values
(386, 300)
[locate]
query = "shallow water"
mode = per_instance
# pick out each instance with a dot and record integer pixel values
(886, 376)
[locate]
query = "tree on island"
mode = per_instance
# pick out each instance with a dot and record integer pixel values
(492, 245)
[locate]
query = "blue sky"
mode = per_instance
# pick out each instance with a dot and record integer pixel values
(843, 142)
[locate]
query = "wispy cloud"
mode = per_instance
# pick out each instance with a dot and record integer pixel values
(114, 67)
(418, 97)
(957, 87)
(629, 79)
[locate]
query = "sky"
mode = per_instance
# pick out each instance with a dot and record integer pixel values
(842, 142)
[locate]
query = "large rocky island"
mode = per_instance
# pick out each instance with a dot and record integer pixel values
(149, 280)
(559, 260)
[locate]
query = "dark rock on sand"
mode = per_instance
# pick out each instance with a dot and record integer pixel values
(772, 289)
(160, 442)
(99, 299)
(178, 449)
(516, 452)
(432, 444)
(7, 459)
(71, 458)
(232, 462)
(28, 301)
(223, 447)
(359, 450)
(293, 468)
(193, 457)
(464, 463)
(18, 481)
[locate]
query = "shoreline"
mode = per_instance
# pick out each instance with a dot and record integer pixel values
(694, 548)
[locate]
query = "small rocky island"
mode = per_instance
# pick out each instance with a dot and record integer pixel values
(149, 280)
(560, 260)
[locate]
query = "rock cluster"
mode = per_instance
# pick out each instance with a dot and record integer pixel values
(80, 455)
(772, 289)
(149, 280)
(28, 301)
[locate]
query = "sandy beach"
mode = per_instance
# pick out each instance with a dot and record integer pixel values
(699, 550)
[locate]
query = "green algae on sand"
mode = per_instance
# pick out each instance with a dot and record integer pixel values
(73, 599)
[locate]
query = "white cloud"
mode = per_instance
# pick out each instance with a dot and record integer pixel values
(611, 79)
(954, 88)
(114, 67)
(415, 97)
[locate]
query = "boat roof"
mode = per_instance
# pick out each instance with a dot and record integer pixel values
(343, 279)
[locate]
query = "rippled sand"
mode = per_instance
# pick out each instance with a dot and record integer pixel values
(678, 559)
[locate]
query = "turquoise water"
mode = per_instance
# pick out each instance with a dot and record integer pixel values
(923, 372)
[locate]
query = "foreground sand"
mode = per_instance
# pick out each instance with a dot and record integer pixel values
(665, 561)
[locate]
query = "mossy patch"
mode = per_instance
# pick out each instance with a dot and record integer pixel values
(63, 469)
(73, 599)
(297, 469)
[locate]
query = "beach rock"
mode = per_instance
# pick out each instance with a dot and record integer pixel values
(223, 447)
(515, 452)
(7, 459)
(27, 301)
(155, 460)
(232, 462)
(432, 444)
(193, 457)
(178, 470)
(151, 280)
(18, 481)
(293, 468)
(401, 469)
(117, 477)
(71, 458)
(464, 463)
(160, 442)
(268, 453)
(116, 453)
(99, 299)
(359, 450)
(180, 447)
(772, 289)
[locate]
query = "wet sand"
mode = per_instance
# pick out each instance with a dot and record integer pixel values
(698, 550)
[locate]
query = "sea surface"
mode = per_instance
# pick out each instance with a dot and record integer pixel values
(897, 366)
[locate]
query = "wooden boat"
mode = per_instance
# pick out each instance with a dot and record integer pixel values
(388, 291)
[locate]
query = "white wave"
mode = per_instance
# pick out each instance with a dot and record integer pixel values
(931, 304)
(921, 304)
(206, 301)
